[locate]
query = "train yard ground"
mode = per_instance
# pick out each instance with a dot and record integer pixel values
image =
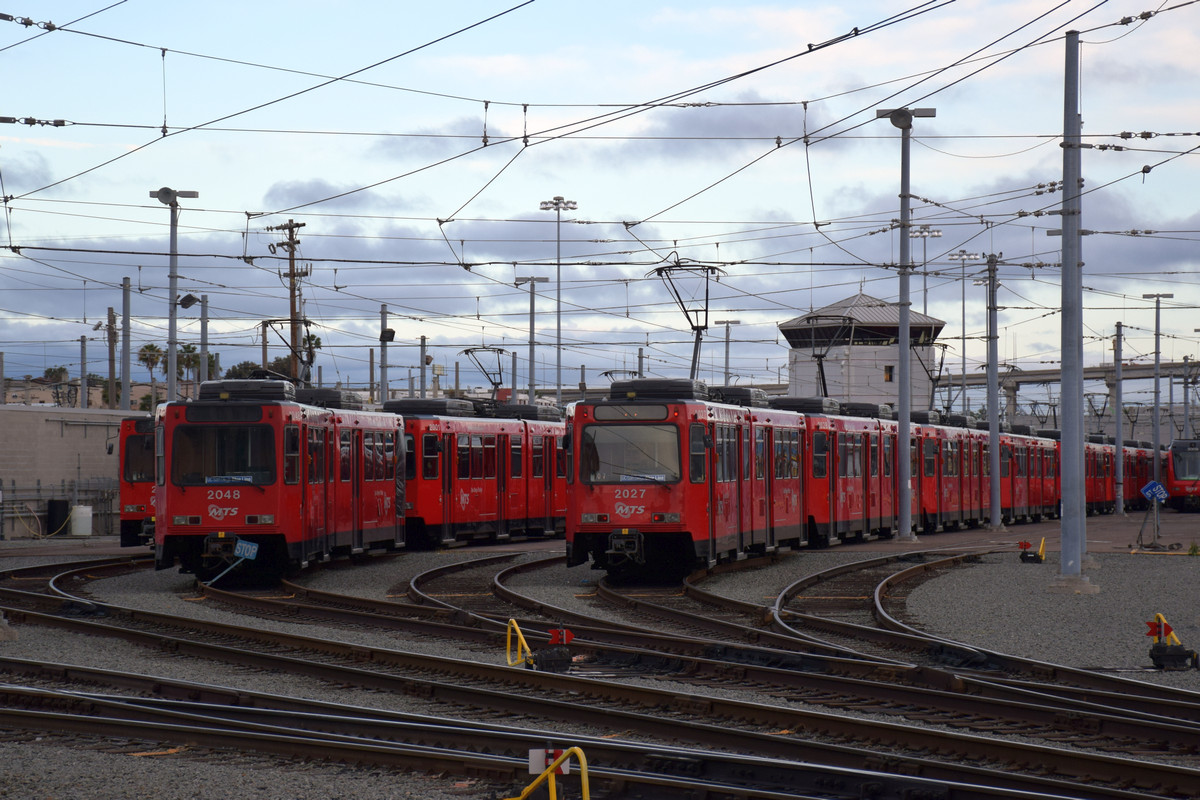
(1133, 532)
(854, 688)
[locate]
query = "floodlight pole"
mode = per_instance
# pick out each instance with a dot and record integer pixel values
(924, 233)
(557, 205)
(170, 197)
(902, 118)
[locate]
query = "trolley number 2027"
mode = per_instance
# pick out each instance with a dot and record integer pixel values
(630, 493)
(224, 494)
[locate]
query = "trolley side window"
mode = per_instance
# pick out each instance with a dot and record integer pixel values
(410, 458)
(820, 454)
(696, 454)
(389, 455)
(430, 451)
(516, 448)
(316, 455)
(538, 452)
(464, 455)
(489, 457)
(930, 449)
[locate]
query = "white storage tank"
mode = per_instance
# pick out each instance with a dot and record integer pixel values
(81, 520)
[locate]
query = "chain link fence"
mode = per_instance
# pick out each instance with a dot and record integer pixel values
(70, 508)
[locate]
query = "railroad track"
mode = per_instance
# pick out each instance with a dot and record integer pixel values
(717, 722)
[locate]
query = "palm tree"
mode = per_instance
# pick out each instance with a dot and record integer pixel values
(187, 362)
(151, 355)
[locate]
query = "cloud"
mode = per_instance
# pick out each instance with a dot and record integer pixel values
(331, 197)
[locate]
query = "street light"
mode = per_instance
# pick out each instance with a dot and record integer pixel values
(902, 118)
(964, 257)
(727, 323)
(924, 233)
(557, 205)
(170, 197)
(531, 282)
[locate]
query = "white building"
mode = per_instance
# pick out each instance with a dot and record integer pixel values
(848, 351)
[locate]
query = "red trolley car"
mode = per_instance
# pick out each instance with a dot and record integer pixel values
(250, 462)
(480, 478)
(136, 480)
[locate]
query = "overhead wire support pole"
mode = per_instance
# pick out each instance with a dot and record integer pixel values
(1118, 418)
(532, 308)
(1158, 298)
(902, 118)
(993, 398)
(1074, 502)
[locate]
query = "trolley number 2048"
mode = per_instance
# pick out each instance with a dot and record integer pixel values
(630, 493)
(224, 494)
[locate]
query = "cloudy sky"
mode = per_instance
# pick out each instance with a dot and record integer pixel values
(736, 141)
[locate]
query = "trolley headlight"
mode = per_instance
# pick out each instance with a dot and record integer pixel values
(672, 516)
(592, 519)
(260, 519)
(134, 509)
(182, 520)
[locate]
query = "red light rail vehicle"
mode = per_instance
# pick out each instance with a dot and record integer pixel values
(481, 472)
(135, 480)
(302, 474)
(665, 477)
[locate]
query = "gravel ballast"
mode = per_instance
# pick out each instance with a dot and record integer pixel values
(999, 603)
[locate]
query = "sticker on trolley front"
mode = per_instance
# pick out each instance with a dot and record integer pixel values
(244, 549)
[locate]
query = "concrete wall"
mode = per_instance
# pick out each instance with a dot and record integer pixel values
(55, 453)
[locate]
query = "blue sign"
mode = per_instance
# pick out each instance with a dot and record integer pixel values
(244, 549)
(1154, 491)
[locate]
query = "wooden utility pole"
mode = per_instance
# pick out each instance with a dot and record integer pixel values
(293, 293)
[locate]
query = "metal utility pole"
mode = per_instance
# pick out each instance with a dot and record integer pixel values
(1118, 414)
(1158, 298)
(290, 244)
(1074, 500)
(963, 256)
(170, 197)
(902, 118)
(993, 399)
(386, 335)
(83, 381)
(203, 376)
(532, 364)
(727, 323)
(126, 355)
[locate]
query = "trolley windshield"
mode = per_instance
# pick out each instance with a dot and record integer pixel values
(626, 453)
(221, 455)
(1185, 458)
(139, 458)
